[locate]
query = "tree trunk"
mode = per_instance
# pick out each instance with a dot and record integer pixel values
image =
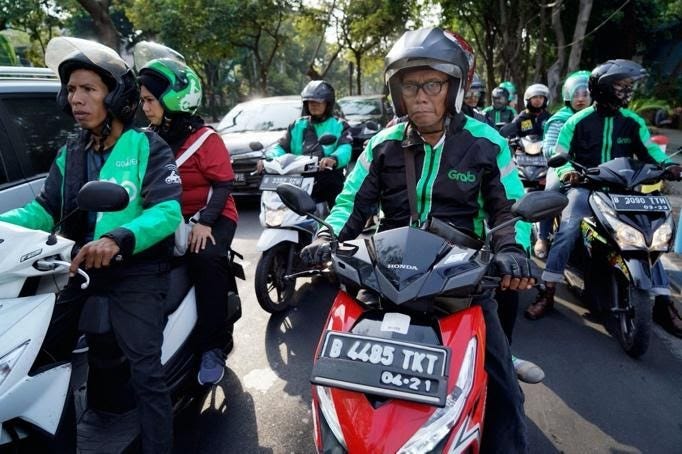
(104, 26)
(358, 73)
(556, 70)
(579, 35)
(540, 51)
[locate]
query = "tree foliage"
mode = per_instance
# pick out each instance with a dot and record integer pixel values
(242, 48)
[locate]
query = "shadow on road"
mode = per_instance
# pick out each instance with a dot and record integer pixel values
(291, 338)
(210, 425)
(592, 383)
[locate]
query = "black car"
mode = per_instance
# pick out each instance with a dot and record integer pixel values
(32, 129)
(262, 120)
(366, 115)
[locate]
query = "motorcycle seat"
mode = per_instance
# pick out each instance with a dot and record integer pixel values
(178, 287)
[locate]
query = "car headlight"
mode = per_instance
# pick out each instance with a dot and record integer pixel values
(249, 155)
(328, 409)
(8, 361)
(443, 419)
(662, 236)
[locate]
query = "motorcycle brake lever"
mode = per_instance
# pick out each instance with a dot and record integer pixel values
(53, 264)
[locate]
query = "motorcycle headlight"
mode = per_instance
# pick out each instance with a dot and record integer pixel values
(8, 361)
(662, 236)
(324, 396)
(274, 217)
(627, 237)
(444, 419)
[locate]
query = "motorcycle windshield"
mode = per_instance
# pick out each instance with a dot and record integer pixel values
(627, 173)
(406, 254)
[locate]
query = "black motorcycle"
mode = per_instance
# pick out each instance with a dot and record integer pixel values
(621, 242)
(530, 162)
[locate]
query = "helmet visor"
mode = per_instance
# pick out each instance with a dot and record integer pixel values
(61, 48)
(146, 51)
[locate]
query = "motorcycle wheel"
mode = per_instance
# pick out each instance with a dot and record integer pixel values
(633, 321)
(273, 292)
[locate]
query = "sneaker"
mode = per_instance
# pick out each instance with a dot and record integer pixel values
(81, 345)
(212, 367)
(540, 249)
(526, 371)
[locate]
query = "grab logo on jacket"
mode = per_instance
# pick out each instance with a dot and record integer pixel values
(462, 177)
(128, 185)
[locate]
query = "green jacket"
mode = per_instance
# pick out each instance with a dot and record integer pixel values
(302, 135)
(591, 137)
(467, 179)
(140, 162)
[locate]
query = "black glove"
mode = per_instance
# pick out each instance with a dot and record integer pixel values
(674, 172)
(515, 264)
(317, 252)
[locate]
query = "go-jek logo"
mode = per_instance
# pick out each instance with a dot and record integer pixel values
(462, 177)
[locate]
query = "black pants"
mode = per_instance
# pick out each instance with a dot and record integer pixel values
(212, 281)
(507, 307)
(505, 421)
(135, 297)
(328, 184)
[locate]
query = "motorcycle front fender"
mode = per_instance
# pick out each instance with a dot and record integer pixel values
(638, 272)
(270, 237)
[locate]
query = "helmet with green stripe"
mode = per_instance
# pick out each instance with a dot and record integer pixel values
(183, 93)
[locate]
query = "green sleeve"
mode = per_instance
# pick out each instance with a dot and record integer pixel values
(31, 216)
(563, 145)
(644, 136)
(513, 187)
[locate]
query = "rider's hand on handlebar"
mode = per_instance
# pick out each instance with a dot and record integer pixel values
(571, 178)
(95, 254)
(327, 163)
(674, 172)
(260, 166)
(317, 252)
(515, 269)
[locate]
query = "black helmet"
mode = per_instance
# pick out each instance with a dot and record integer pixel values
(319, 90)
(434, 48)
(604, 76)
(123, 96)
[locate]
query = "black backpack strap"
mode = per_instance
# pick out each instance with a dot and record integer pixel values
(411, 182)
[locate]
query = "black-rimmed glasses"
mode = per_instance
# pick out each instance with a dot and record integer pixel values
(431, 87)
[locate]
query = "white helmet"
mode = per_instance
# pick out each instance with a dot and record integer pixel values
(536, 90)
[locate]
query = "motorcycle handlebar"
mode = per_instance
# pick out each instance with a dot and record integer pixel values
(46, 265)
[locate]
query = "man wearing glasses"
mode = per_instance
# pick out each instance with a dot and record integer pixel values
(458, 162)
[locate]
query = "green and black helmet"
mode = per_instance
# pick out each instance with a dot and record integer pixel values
(181, 92)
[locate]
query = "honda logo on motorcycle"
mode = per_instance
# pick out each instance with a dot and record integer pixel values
(401, 266)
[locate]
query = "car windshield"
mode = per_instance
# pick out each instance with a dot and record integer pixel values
(360, 106)
(260, 116)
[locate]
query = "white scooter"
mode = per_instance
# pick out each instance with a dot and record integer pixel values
(285, 232)
(36, 391)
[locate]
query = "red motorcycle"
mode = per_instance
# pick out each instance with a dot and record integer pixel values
(399, 367)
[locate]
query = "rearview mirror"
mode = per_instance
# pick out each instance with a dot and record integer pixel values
(557, 160)
(539, 205)
(327, 139)
(102, 196)
(296, 199)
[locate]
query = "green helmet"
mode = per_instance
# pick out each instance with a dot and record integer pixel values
(511, 88)
(183, 94)
(573, 82)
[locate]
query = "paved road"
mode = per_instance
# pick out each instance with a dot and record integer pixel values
(595, 399)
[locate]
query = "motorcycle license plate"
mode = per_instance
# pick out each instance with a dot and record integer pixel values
(270, 182)
(385, 367)
(527, 160)
(640, 202)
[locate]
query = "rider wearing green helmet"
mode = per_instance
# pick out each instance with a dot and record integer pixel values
(511, 89)
(171, 94)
